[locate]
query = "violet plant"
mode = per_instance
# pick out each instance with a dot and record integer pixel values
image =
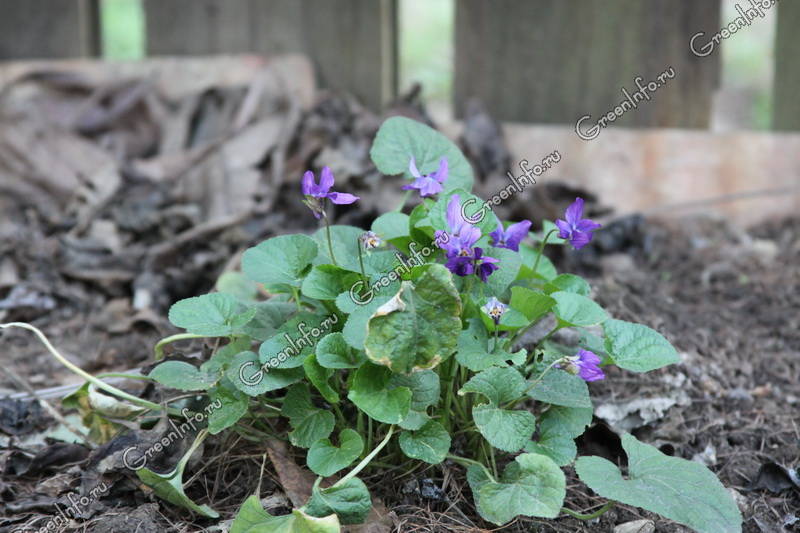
(415, 340)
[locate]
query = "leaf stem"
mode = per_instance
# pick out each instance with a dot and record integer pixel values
(296, 295)
(365, 461)
(534, 383)
(361, 262)
(330, 242)
(464, 460)
(590, 516)
(100, 384)
(158, 351)
(541, 250)
(402, 204)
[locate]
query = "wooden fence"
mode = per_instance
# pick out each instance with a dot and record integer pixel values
(541, 61)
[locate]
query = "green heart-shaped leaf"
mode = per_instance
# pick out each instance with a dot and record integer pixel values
(499, 385)
(349, 500)
(280, 262)
(533, 304)
(211, 315)
(505, 429)
(558, 427)
(636, 347)
(227, 406)
(399, 139)
(430, 443)
(325, 459)
(252, 518)
(182, 376)
(561, 388)
(319, 376)
(568, 283)
(371, 393)
(296, 339)
(419, 327)
(247, 374)
(326, 282)
(577, 310)
(474, 350)
(533, 485)
(684, 491)
(309, 423)
(333, 352)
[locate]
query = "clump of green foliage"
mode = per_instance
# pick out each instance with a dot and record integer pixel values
(356, 346)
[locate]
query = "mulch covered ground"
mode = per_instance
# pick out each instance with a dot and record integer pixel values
(172, 189)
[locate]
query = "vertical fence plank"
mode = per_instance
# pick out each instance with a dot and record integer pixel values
(353, 43)
(42, 29)
(553, 61)
(786, 104)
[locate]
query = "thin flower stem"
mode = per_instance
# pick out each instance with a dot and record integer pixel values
(590, 516)
(541, 250)
(296, 295)
(79, 371)
(365, 461)
(402, 204)
(158, 351)
(330, 242)
(369, 432)
(533, 384)
(518, 335)
(464, 460)
(361, 262)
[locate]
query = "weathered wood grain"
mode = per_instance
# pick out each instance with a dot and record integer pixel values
(552, 61)
(353, 43)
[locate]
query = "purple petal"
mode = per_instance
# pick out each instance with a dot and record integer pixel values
(586, 225)
(429, 187)
(308, 183)
(342, 197)
(578, 239)
(589, 357)
(497, 235)
(441, 238)
(469, 236)
(591, 373)
(326, 180)
(515, 233)
(461, 266)
(412, 168)
(485, 270)
(564, 229)
(441, 174)
(574, 211)
(454, 218)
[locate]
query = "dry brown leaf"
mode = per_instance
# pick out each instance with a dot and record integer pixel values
(296, 482)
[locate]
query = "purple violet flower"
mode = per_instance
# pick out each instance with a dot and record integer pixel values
(462, 258)
(495, 309)
(511, 236)
(484, 265)
(316, 194)
(428, 184)
(576, 229)
(462, 235)
(585, 364)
